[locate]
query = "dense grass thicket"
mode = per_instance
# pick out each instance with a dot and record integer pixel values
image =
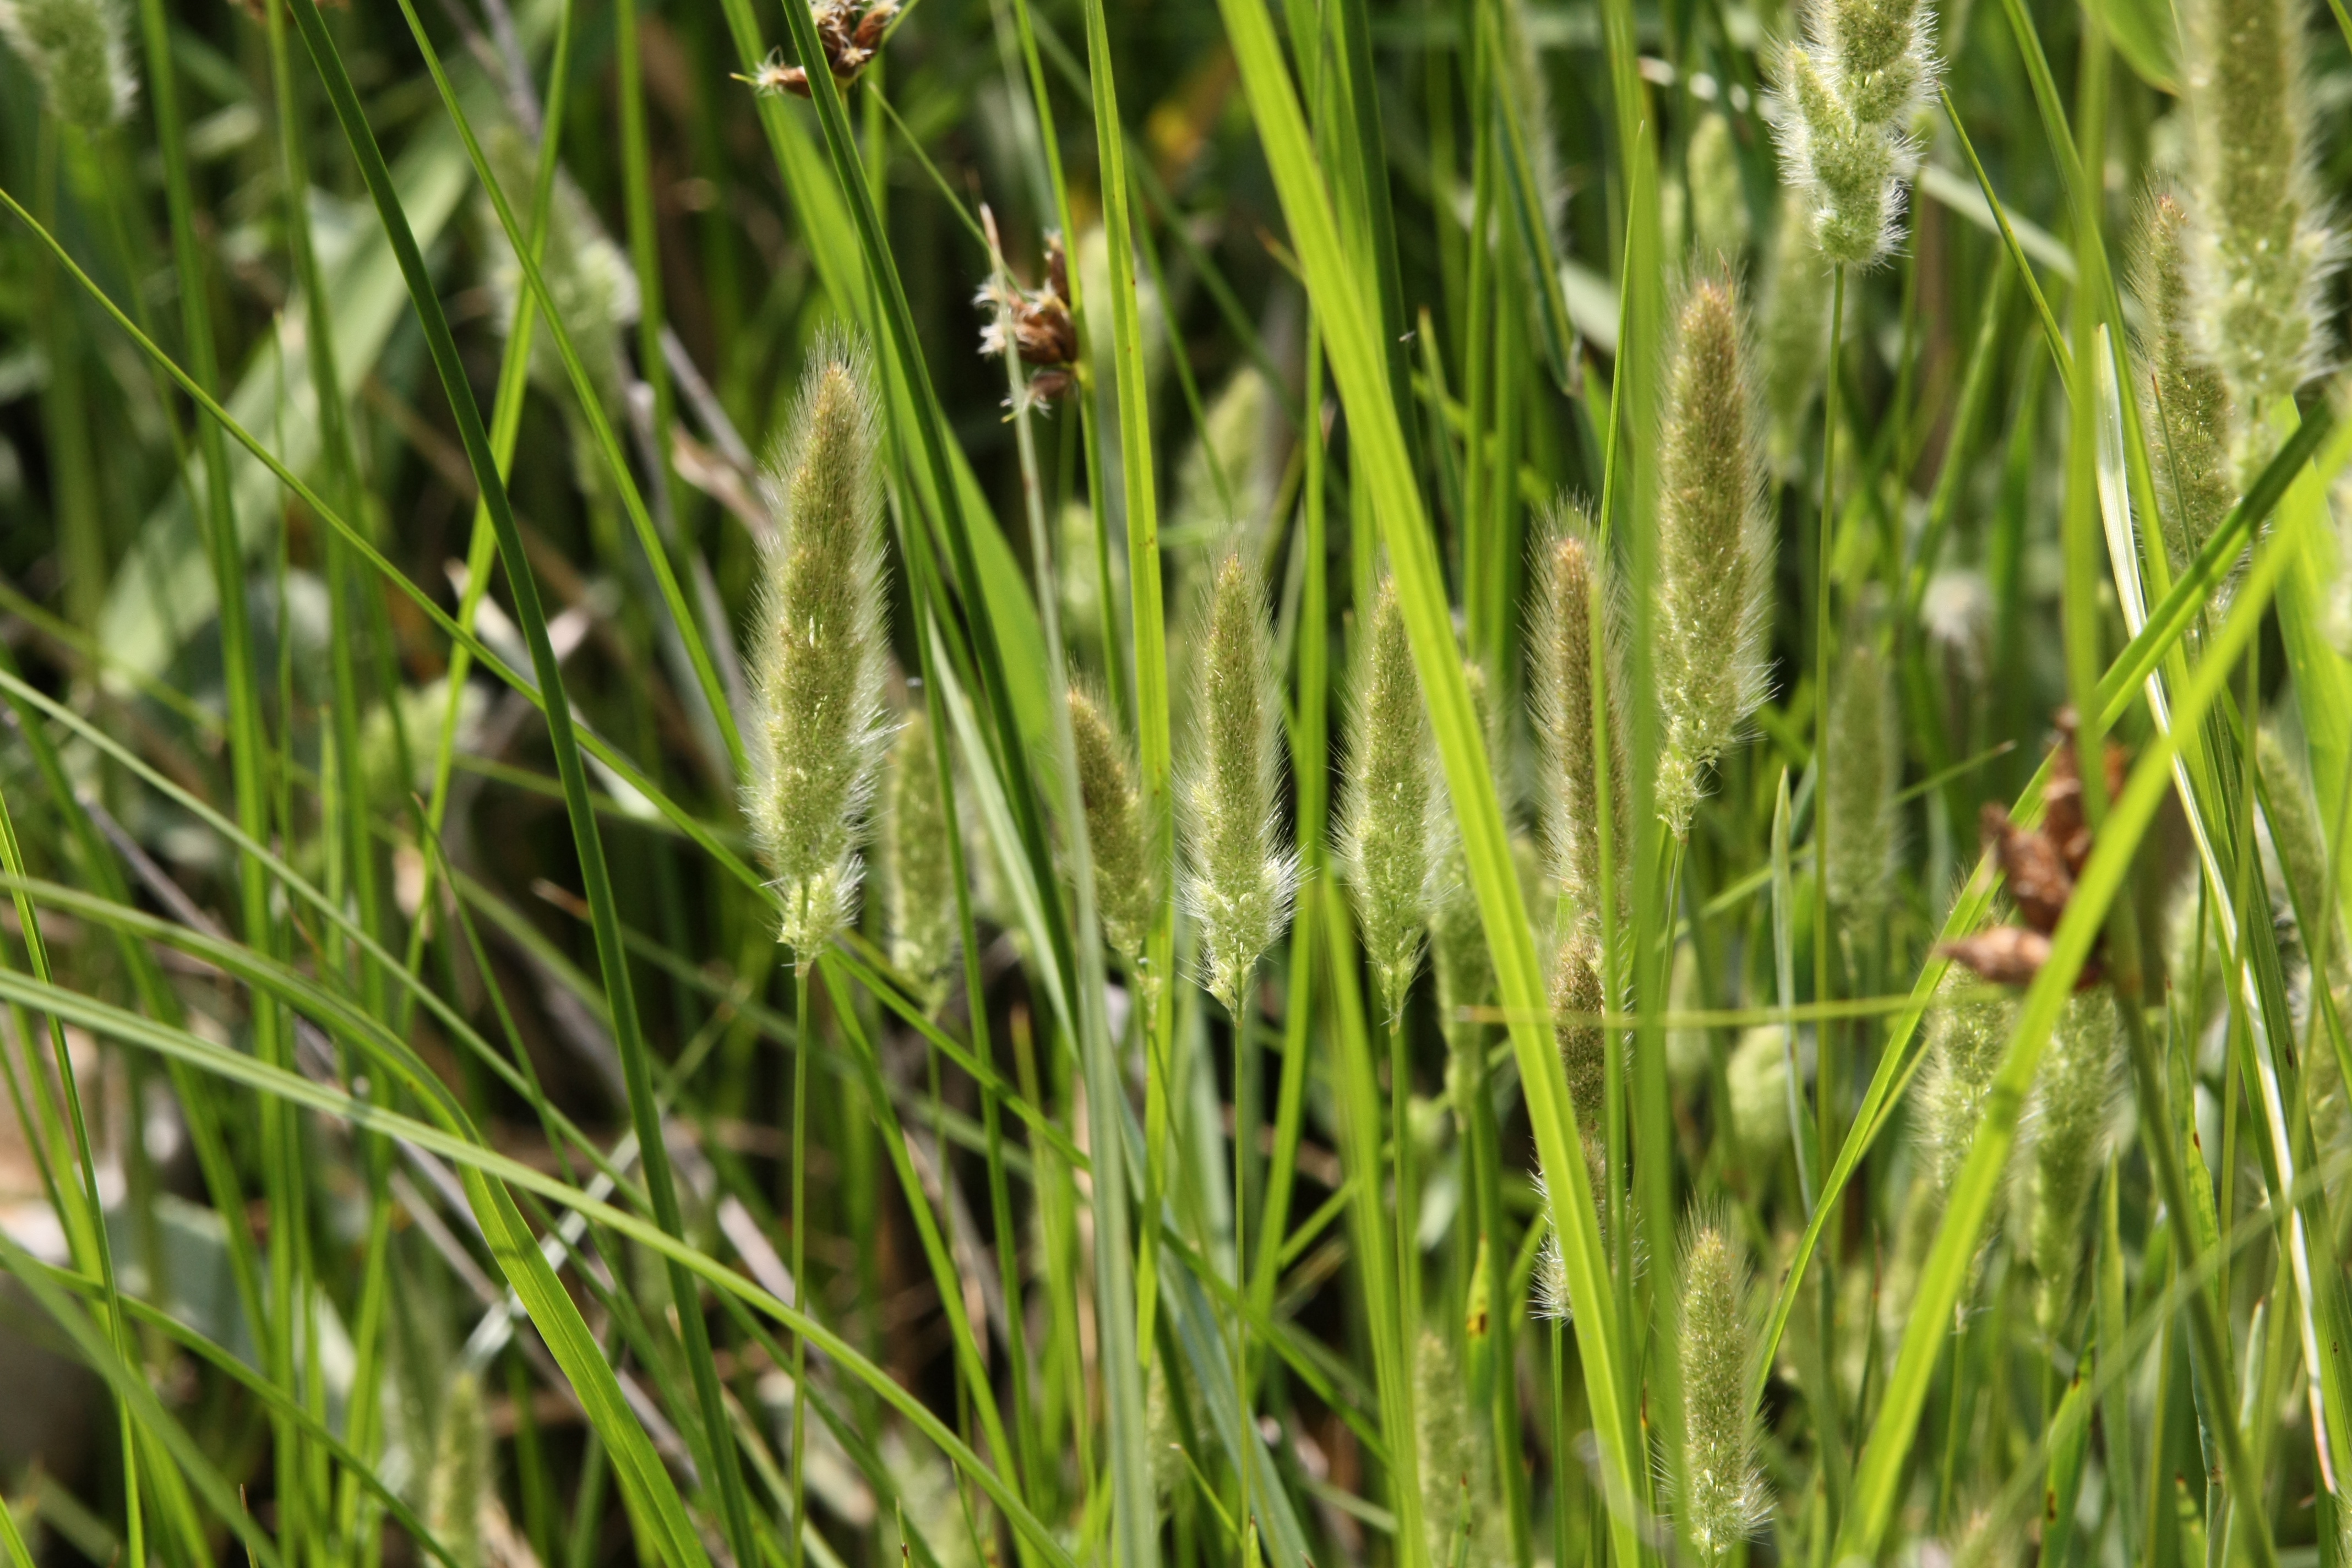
(1431, 782)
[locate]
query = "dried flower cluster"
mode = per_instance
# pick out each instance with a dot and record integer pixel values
(850, 35)
(2041, 865)
(1037, 326)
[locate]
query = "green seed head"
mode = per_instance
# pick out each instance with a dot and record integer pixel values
(1385, 826)
(2260, 249)
(1463, 968)
(1115, 837)
(1864, 765)
(1966, 1033)
(1714, 551)
(1843, 107)
(2187, 401)
(2071, 1111)
(77, 51)
(461, 1465)
(1578, 999)
(1757, 1080)
(819, 653)
(1241, 877)
(1795, 329)
(917, 870)
(1448, 1448)
(1723, 1499)
(1560, 648)
(1718, 202)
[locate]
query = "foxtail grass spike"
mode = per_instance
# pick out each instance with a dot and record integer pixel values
(1842, 105)
(1863, 767)
(2260, 249)
(1459, 959)
(2189, 411)
(1966, 1033)
(819, 653)
(1241, 877)
(1123, 881)
(461, 1466)
(1794, 331)
(917, 870)
(1385, 828)
(2071, 1109)
(1560, 648)
(78, 51)
(1723, 1500)
(1714, 549)
(1718, 201)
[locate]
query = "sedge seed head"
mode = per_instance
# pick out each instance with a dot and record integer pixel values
(1114, 836)
(2072, 1111)
(818, 652)
(2261, 249)
(1724, 1500)
(1568, 591)
(1385, 828)
(1714, 548)
(918, 869)
(1865, 763)
(79, 52)
(1241, 876)
(2187, 400)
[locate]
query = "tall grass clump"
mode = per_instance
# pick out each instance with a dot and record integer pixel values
(606, 833)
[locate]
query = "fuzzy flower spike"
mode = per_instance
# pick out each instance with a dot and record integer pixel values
(819, 653)
(1723, 1499)
(77, 51)
(1715, 550)
(1561, 649)
(2260, 249)
(1241, 876)
(2191, 408)
(1843, 106)
(1386, 827)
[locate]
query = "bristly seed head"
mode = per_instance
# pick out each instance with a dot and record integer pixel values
(1865, 763)
(1723, 1500)
(1386, 828)
(1842, 107)
(2189, 400)
(2260, 250)
(1241, 876)
(1715, 550)
(1123, 886)
(818, 652)
(1561, 649)
(461, 1460)
(77, 51)
(918, 871)
(2071, 1111)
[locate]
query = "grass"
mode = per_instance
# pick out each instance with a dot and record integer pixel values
(389, 990)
